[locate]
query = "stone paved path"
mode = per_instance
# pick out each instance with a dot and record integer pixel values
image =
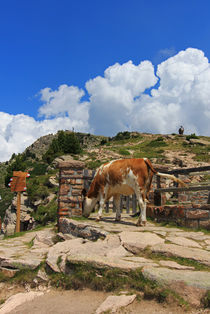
(164, 254)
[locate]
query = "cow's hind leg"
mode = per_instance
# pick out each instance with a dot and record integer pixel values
(142, 217)
(117, 206)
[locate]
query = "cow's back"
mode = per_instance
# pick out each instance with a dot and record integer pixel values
(116, 174)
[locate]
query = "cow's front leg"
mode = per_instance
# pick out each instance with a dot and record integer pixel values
(117, 206)
(101, 207)
(142, 217)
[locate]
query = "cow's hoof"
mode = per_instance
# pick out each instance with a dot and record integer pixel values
(98, 218)
(141, 223)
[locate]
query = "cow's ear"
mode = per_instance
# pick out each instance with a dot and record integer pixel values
(84, 192)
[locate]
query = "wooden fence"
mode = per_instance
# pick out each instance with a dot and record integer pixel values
(189, 188)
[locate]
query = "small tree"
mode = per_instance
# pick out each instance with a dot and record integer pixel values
(65, 143)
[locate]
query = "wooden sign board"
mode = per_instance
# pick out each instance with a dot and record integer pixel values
(18, 184)
(18, 181)
(20, 174)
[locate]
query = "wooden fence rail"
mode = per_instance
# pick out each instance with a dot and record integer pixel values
(176, 189)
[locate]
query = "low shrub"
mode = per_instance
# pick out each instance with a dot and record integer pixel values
(124, 152)
(191, 136)
(46, 214)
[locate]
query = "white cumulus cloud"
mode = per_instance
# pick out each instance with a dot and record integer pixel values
(112, 97)
(126, 97)
(183, 96)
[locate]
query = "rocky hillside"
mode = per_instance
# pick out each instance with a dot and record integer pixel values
(40, 146)
(39, 202)
(180, 151)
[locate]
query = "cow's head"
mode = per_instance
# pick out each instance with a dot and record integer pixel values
(88, 205)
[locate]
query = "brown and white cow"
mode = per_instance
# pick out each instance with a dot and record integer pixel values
(126, 177)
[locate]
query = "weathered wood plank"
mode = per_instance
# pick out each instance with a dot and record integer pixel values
(188, 170)
(191, 188)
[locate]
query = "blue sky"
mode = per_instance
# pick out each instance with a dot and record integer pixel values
(65, 64)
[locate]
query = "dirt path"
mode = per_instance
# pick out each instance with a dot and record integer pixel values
(87, 301)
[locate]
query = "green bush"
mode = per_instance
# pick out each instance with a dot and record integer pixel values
(103, 142)
(191, 136)
(36, 191)
(94, 164)
(65, 143)
(122, 136)
(157, 142)
(206, 300)
(38, 169)
(46, 214)
(124, 152)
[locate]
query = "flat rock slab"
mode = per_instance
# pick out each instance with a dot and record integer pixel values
(198, 255)
(103, 253)
(113, 303)
(16, 253)
(135, 242)
(172, 264)
(197, 279)
(108, 252)
(18, 299)
(197, 236)
(183, 242)
(61, 249)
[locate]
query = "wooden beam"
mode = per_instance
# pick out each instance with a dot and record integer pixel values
(191, 188)
(188, 170)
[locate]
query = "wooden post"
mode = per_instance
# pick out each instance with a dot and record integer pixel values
(157, 195)
(18, 212)
(134, 203)
(127, 204)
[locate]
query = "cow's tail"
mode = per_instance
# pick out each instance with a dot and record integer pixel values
(172, 177)
(165, 175)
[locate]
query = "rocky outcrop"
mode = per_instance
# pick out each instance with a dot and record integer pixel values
(26, 220)
(199, 142)
(81, 229)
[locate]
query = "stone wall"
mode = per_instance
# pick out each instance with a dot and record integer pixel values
(197, 197)
(192, 216)
(71, 184)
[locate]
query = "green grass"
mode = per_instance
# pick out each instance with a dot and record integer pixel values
(206, 300)
(30, 243)
(124, 152)
(180, 260)
(105, 279)
(173, 224)
(79, 218)
(21, 233)
(94, 164)
(59, 260)
(2, 301)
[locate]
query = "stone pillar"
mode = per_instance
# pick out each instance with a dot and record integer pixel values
(71, 184)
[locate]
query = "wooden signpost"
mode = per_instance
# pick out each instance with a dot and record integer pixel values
(18, 184)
